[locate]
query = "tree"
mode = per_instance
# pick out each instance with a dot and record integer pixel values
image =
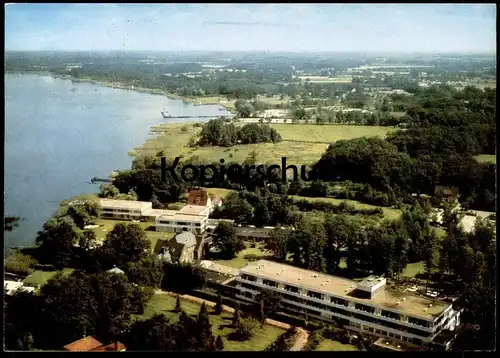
(205, 328)
(11, 222)
(243, 108)
(154, 333)
(431, 252)
(226, 241)
(125, 243)
(236, 315)
(245, 328)
(84, 212)
(57, 239)
(148, 271)
(108, 191)
(400, 253)
(218, 304)
(178, 307)
(87, 240)
(277, 243)
(219, 343)
(269, 302)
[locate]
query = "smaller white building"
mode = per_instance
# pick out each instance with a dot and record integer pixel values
(11, 287)
(189, 218)
(124, 209)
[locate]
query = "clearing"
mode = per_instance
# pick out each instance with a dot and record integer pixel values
(40, 278)
(390, 214)
(302, 144)
(486, 158)
(329, 345)
(262, 338)
(413, 269)
(249, 254)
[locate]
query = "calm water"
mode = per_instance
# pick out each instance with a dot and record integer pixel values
(58, 135)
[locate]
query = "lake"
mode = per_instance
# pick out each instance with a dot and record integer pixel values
(59, 134)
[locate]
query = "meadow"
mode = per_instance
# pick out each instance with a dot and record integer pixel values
(302, 144)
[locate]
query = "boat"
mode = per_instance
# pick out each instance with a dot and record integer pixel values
(222, 109)
(165, 114)
(198, 104)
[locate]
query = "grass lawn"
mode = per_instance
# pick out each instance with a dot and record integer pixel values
(221, 193)
(411, 270)
(390, 214)
(40, 277)
(486, 158)
(172, 140)
(156, 238)
(244, 257)
(329, 345)
(328, 133)
(162, 303)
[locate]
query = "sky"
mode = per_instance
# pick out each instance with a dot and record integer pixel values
(440, 28)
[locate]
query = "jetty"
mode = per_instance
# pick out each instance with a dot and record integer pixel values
(96, 180)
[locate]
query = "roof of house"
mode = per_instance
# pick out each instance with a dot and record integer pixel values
(412, 304)
(115, 270)
(198, 197)
(186, 238)
(83, 345)
(193, 210)
(118, 346)
(445, 190)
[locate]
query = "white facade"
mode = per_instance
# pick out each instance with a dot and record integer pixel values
(179, 223)
(368, 315)
(124, 209)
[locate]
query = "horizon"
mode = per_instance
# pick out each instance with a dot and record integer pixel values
(252, 28)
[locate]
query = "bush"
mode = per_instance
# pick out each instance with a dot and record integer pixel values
(19, 264)
(245, 328)
(184, 128)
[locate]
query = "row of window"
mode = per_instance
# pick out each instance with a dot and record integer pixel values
(120, 210)
(178, 223)
(341, 302)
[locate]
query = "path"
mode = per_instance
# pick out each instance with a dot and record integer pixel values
(301, 338)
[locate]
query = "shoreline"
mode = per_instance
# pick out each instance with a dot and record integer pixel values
(122, 86)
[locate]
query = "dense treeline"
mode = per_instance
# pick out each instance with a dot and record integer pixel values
(218, 132)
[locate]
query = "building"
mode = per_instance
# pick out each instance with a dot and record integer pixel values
(181, 248)
(446, 194)
(189, 218)
(91, 344)
(366, 306)
(201, 197)
(116, 270)
(11, 287)
(124, 209)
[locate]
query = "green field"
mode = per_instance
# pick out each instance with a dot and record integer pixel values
(156, 238)
(244, 257)
(302, 144)
(40, 277)
(332, 346)
(486, 158)
(390, 214)
(263, 337)
(411, 270)
(328, 133)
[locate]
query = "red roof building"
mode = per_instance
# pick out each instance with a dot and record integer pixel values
(90, 343)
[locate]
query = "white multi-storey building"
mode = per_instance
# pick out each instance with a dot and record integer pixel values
(189, 218)
(124, 209)
(366, 306)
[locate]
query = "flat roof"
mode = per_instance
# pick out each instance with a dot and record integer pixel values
(125, 204)
(183, 217)
(157, 212)
(320, 282)
(193, 210)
